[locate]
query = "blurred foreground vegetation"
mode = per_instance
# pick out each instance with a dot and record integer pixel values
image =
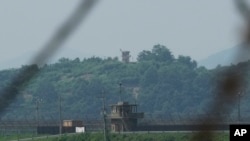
(116, 137)
(135, 137)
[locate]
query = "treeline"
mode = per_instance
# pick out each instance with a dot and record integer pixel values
(159, 82)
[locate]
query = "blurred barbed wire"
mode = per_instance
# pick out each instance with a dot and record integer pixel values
(10, 92)
(232, 83)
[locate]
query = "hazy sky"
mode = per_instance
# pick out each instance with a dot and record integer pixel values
(197, 28)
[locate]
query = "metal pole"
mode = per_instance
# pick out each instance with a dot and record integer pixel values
(60, 116)
(37, 117)
(104, 116)
(120, 98)
(239, 96)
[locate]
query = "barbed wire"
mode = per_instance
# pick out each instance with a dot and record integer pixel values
(9, 93)
(232, 83)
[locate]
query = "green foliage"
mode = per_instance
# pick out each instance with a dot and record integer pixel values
(159, 53)
(159, 82)
(134, 137)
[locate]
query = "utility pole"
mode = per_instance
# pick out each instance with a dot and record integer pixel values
(60, 115)
(239, 101)
(123, 125)
(120, 97)
(37, 117)
(102, 97)
(38, 101)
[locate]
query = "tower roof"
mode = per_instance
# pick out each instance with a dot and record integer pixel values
(123, 103)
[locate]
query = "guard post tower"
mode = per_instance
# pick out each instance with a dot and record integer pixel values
(124, 117)
(125, 56)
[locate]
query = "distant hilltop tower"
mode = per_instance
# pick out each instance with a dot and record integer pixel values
(125, 56)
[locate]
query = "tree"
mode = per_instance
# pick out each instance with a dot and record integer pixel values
(144, 56)
(150, 76)
(64, 60)
(186, 60)
(46, 91)
(162, 54)
(159, 53)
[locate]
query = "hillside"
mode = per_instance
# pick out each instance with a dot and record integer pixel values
(159, 82)
(226, 57)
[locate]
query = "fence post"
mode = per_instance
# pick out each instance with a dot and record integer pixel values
(4, 131)
(18, 134)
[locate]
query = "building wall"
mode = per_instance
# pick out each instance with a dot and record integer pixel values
(119, 125)
(181, 127)
(54, 130)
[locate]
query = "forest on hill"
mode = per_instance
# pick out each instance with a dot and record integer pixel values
(160, 83)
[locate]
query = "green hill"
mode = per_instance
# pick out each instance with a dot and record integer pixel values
(159, 82)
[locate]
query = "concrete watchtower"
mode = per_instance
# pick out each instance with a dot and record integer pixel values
(125, 56)
(124, 117)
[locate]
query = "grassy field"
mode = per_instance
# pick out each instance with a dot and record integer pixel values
(133, 137)
(17, 137)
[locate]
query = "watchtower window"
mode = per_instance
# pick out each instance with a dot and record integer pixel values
(115, 109)
(134, 109)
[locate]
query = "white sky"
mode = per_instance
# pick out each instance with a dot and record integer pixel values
(197, 28)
